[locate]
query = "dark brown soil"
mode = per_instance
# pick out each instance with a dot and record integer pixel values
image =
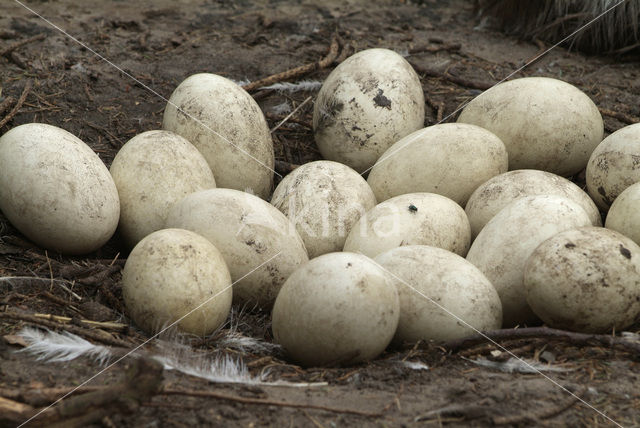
(160, 43)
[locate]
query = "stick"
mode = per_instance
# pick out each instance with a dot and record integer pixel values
(23, 96)
(622, 117)
(142, 381)
(295, 110)
(539, 332)
(19, 44)
(266, 402)
(107, 325)
(4, 105)
(93, 334)
(297, 71)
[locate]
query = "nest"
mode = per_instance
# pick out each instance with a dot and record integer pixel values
(615, 32)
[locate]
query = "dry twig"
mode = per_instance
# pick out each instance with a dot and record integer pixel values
(539, 332)
(93, 334)
(297, 71)
(266, 402)
(14, 111)
(142, 381)
(12, 47)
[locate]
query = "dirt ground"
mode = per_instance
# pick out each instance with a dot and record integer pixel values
(162, 42)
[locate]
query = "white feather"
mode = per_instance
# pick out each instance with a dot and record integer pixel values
(55, 347)
(301, 86)
(518, 365)
(220, 370)
(415, 365)
(283, 108)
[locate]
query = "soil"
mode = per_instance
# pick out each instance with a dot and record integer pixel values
(155, 45)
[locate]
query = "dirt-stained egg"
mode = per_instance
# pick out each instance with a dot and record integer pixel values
(614, 165)
(367, 103)
(498, 192)
(55, 189)
(339, 308)
(259, 244)
(175, 273)
(624, 214)
(451, 159)
(442, 295)
(323, 199)
(585, 280)
(153, 171)
(503, 246)
(411, 219)
(544, 123)
(227, 126)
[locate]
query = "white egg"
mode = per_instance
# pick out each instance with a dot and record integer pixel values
(259, 244)
(367, 103)
(586, 280)
(174, 273)
(339, 308)
(153, 171)
(624, 214)
(614, 165)
(545, 123)
(442, 295)
(411, 219)
(450, 159)
(227, 126)
(56, 190)
(498, 192)
(502, 248)
(324, 200)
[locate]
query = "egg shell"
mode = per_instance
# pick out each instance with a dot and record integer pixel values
(442, 295)
(337, 309)
(614, 165)
(545, 123)
(227, 126)
(502, 248)
(324, 199)
(173, 273)
(153, 171)
(259, 244)
(411, 219)
(493, 195)
(367, 103)
(624, 214)
(451, 159)
(585, 280)
(55, 190)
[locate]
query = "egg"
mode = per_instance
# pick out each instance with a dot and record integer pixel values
(55, 190)
(442, 295)
(177, 275)
(411, 219)
(367, 103)
(503, 246)
(259, 244)
(624, 214)
(153, 171)
(614, 165)
(451, 159)
(545, 123)
(496, 193)
(227, 126)
(337, 309)
(585, 280)
(323, 199)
